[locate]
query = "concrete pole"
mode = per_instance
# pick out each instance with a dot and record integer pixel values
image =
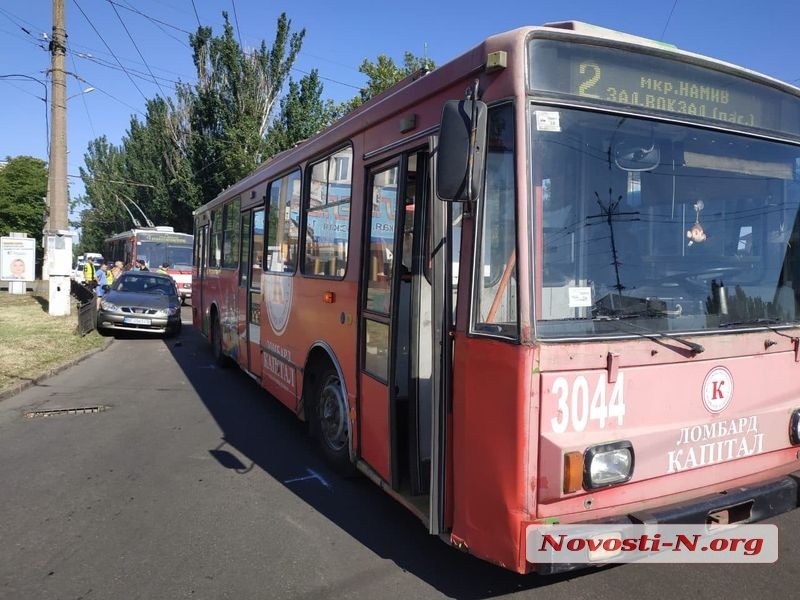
(58, 225)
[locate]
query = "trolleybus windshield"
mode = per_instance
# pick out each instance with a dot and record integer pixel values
(670, 226)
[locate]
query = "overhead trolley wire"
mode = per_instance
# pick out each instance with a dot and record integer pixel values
(196, 16)
(88, 20)
(125, 27)
(236, 20)
(672, 10)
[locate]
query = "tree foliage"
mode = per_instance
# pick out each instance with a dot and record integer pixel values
(189, 148)
(23, 188)
(231, 103)
(101, 212)
(383, 74)
(302, 114)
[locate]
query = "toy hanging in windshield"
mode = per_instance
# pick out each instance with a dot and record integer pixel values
(697, 234)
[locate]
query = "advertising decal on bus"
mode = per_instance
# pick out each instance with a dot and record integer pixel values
(278, 298)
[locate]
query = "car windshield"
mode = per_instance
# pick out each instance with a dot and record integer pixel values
(143, 284)
(664, 226)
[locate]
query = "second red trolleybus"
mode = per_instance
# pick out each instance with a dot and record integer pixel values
(554, 280)
(156, 246)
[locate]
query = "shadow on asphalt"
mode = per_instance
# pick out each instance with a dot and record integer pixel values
(260, 432)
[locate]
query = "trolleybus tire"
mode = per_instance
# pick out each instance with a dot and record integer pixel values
(216, 344)
(331, 422)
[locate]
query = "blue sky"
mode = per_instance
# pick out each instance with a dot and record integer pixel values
(117, 46)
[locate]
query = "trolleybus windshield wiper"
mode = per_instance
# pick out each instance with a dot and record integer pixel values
(763, 321)
(766, 323)
(649, 333)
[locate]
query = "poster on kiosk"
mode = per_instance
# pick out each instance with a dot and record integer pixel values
(17, 259)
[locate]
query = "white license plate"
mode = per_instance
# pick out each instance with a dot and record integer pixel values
(136, 321)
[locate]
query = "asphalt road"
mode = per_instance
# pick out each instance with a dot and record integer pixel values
(146, 472)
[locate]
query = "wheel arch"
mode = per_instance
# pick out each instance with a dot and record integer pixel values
(320, 356)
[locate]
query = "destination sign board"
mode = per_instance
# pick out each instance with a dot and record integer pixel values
(650, 83)
(165, 238)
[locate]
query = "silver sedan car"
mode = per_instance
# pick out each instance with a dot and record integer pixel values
(141, 301)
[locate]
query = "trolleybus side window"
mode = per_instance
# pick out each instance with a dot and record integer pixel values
(258, 249)
(244, 260)
(230, 239)
(382, 240)
(284, 211)
(327, 212)
(215, 240)
(495, 309)
(380, 269)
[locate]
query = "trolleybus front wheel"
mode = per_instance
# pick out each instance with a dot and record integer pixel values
(331, 424)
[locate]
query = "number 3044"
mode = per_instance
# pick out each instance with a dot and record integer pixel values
(579, 403)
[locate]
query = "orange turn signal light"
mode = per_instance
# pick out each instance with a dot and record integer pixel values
(573, 472)
(329, 297)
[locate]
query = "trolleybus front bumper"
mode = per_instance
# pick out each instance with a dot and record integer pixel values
(738, 505)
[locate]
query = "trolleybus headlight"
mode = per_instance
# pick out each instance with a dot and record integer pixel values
(607, 464)
(794, 427)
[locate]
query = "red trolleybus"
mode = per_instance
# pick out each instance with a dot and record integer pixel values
(554, 280)
(156, 246)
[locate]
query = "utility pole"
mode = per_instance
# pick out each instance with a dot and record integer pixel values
(58, 244)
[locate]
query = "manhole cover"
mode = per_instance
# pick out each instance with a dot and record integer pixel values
(81, 410)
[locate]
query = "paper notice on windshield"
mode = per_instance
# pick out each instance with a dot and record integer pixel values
(580, 297)
(547, 120)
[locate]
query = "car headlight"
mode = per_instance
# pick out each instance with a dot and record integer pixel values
(607, 464)
(167, 312)
(108, 306)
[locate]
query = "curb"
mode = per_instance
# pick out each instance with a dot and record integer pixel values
(16, 388)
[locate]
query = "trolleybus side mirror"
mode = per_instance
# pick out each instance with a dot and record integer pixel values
(461, 151)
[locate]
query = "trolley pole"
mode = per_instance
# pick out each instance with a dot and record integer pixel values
(58, 238)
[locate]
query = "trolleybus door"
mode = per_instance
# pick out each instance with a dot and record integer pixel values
(242, 292)
(249, 290)
(442, 252)
(397, 363)
(200, 264)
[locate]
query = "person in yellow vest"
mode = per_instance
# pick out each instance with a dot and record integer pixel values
(89, 274)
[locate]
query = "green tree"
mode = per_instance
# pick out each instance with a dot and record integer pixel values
(156, 162)
(23, 187)
(101, 211)
(230, 106)
(186, 150)
(302, 114)
(148, 171)
(383, 74)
